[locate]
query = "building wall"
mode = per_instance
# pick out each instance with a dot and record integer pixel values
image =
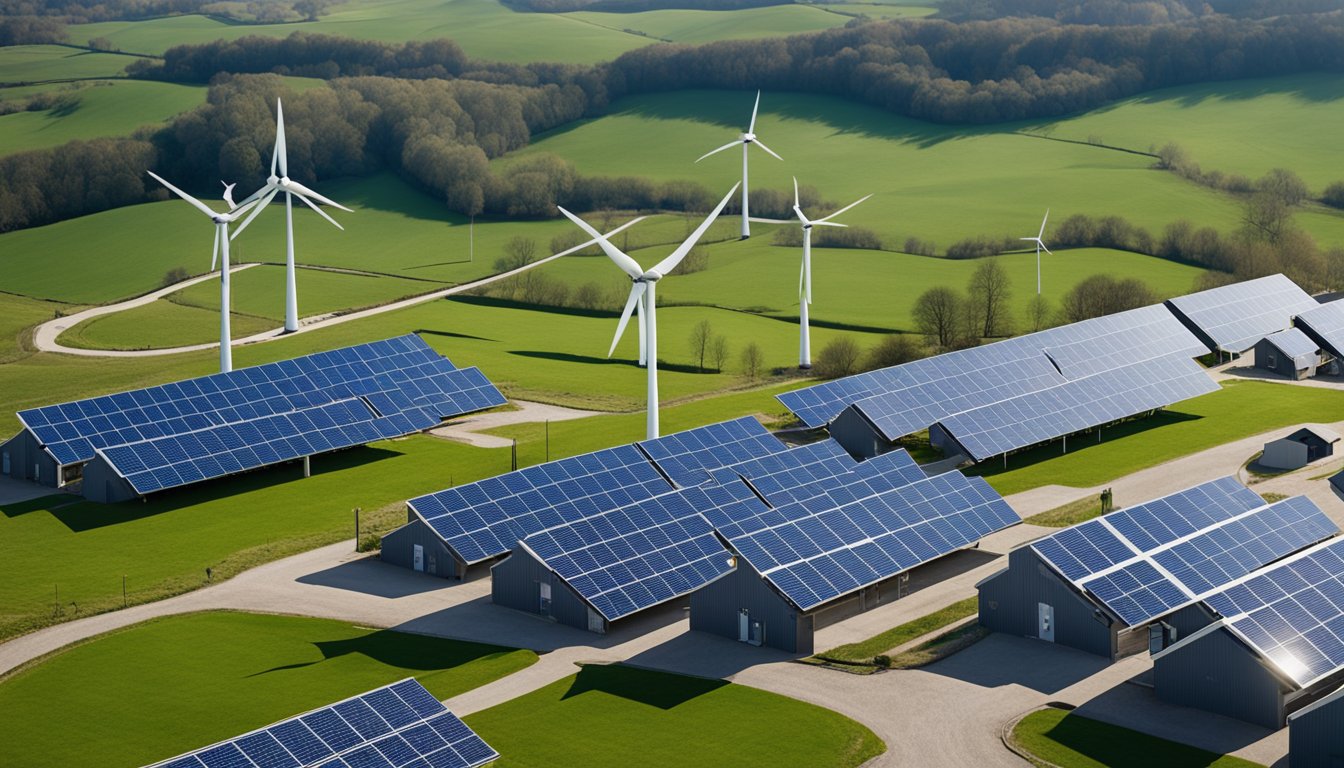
(515, 582)
(855, 434)
(398, 548)
(1316, 737)
(26, 457)
(1284, 454)
(715, 608)
(1270, 358)
(1009, 603)
(1189, 620)
(1217, 673)
(103, 485)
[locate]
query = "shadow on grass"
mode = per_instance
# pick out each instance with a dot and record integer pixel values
(656, 689)
(40, 504)
(400, 650)
(88, 515)
(564, 357)
(450, 334)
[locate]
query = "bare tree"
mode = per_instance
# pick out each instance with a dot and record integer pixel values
(752, 360)
(701, 336)
(518, 252)
(1266, 217)
(1283, 185)
(1038, 313)
(718, 352)
(838, 358)
(589, 296)
(938, 315)
(893, 349)
(988, 294)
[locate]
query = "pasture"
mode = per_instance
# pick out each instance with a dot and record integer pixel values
(106, 109)
(43, 63)
(199, 678)
(660, 720)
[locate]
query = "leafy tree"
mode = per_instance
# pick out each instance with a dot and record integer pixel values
(838, 358)
(893, 349)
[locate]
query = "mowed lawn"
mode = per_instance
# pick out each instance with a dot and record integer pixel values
(1073, 741)
(615, 716)
(18, 314)
(37, 63)
(111, 108)
(157, 689)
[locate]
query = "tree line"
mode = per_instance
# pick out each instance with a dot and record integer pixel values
(84, 12)
(1126, 12)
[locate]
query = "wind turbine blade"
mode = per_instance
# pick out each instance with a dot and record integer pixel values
(729, 145)
(260, 193)
(758, 143)
(587, 243)
(628, 265)
(795, 192)
(842, 210)
(320, 212)
(228, 194)
(202, 207)
(768, 221)
(306, 192)
(1047, 218)
(752, 127)
(260, 206)
(636, 291)
(671, 262)
(1047, 250)
(214, 251)
(1028, 239)
(281, 151)
(828, 224)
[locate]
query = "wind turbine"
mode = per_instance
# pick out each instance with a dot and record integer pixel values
(222, 222)
(1040, 245)
(746, 140)
(805, 276)
(641, 294)
(292, 189)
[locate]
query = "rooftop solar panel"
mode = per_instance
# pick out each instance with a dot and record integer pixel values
(1093, 346)
(689, 457)
(1076, 405)
(1325, 324)
(1295, 345)
(486, 519)
(643, 554)
(791, 474)
(397, 726)
(1234, 317)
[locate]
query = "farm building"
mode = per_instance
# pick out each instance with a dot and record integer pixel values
(1316, 733)
(1289, 353)
(1324, 325)
(1130, 580)
(1273, 647)
(131, 444)
(1300, 448)
(1234, 318)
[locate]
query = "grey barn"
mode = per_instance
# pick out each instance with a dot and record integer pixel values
(1316, 733)
(1289, 353)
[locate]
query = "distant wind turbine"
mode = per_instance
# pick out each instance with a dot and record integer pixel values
(641, 294)
(1040, 246)
(292, 189)
(805, 276)
(222, 222)
(746, 140)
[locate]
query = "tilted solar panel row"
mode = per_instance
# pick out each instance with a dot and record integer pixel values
(788, 475)
(1325, 325)
(1296, 346)
(396, 726)
(1235, 317)
(688, 457)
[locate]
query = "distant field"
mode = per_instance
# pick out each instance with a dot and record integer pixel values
(686, 26)
(200, 678)
(34, 63)
(114, 109)
(638, 717)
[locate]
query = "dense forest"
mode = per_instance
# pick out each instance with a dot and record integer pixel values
(636, 6)
(1127, 12)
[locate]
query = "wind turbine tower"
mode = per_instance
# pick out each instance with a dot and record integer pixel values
(1040, 246)
(746, 140)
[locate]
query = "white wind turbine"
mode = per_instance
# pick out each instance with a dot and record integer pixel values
(292, 189)
(805, 276)
(1040, 246)
(746, 140)
(222, 222)
(641, 294)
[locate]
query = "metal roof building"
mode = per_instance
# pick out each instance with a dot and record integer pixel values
(1232, 318)
(1316, 733)
(1289, 353)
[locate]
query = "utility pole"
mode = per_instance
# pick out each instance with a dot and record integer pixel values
(356, 529)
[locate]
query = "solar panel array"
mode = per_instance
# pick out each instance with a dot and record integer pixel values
(942, 385)
(646, 553)
(808, 470)
(688, 457)
(1073, 406)
(486, 518)
(397, 726)
(1235, 317)
(822, 548)
(1325, 323)
(1295, 345)
(1292, 613)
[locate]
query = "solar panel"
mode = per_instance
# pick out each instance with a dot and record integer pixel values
(486, 518)
(688, 457)
(1295, 345)
(1234, 317)
(819, 549)
(1084, 549)
(1093, 346)
(791, 474)
(1138, 592)
(643, 554)
(396, 726)
(1325, 324)
(1292, 613)
(1073, 406)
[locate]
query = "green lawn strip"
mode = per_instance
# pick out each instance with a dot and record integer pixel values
(1270, 498)
(940, 647)
(636, 717)
(1070, 740)
(170, 685)
(1238, 410)
(1067, 514)
(864, 651)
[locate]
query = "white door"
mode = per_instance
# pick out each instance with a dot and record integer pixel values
(418, 559)
(544, 598)
(1045, 629)
(743, 626)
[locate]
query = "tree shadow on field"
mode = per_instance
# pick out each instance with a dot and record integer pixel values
(401, 650)
(564, 357)
(656, 689)
(450, 334)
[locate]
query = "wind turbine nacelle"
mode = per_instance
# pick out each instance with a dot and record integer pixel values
(748, 137)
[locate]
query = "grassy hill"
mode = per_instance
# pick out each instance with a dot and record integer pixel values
(111, 108)
(37, 63)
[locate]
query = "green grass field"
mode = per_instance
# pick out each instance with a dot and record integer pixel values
(687, 26)
(659, 720)
(157, 689)
(113, 109)
(1073, 741)
(39, 63)
(162, 324)
(863, 651)
(17, 315)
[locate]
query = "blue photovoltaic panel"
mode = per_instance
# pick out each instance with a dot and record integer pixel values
(792, 474)
(487, 518)
(1084, 549)
(689, 457)
(1295, 345)
(1073, 406)
(397, 726)
(1154, 523)
(1138, 592)
(644, 554)
(819, 549)
(896, 468)
(1292, 613)
(1234, 317)
(1325, 324)
(1093, 346)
